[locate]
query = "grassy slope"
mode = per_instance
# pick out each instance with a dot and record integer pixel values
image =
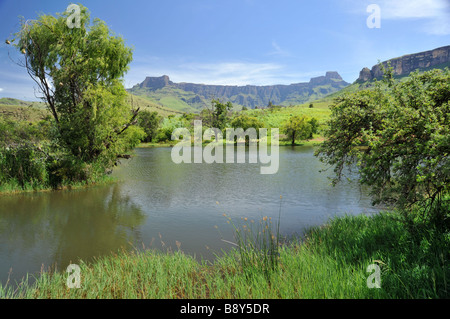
(19, 110)
(146, 104)
(17, 102)
(22, 112)
(169, 97)
(277, 117)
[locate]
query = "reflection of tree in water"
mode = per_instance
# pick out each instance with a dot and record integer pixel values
(103, 222)
(61, 227)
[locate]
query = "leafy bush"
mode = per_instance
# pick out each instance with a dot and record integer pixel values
(29, 166)
(398, 133)
(300, 127)
(149, 122)
(168, 125)
(17, 132)
(245, 122)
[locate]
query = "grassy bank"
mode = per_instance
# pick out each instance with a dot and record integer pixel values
(14, 187)
(330, 262)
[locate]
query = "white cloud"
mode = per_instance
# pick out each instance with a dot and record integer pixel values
(49, 83)
(1, 89)
(432, 16)
(230, 73)
(16, 83)
(219, 73)
(18, 74)
(20, 91)
(404, 9)
(435, 13)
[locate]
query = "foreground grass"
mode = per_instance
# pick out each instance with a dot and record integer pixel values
(330, 263)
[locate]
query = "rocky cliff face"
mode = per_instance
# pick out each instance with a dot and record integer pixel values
(248, 95)
(409, 63)
(156, 83)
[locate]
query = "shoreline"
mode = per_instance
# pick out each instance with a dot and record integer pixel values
(108, 179)
(312, 142)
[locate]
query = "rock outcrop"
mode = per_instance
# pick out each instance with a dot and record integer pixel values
(156, 83)
(406, 64)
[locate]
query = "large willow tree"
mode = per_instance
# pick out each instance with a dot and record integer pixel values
(79, 71)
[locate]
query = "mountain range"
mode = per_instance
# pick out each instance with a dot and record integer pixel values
(188, 97)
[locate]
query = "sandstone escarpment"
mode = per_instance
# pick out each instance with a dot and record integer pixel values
(248, 95)
(406, 64)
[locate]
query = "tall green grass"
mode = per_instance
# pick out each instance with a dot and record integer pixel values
(23, 166)
(413, 261)
(329, 262)
(302, 274)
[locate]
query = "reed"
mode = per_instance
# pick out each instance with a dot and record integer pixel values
(329, 262)
(258, 244)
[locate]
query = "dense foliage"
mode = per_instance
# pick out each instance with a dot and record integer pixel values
(219, 114)
(245, 122)
(300, 127)
(149, 122)
(398, 133)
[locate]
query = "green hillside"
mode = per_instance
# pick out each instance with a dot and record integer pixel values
(146, 104)
(18, 110)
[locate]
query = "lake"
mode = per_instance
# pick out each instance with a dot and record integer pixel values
(159, 204)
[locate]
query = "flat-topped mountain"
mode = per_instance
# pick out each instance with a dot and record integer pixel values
(406, 64)
(188, 96)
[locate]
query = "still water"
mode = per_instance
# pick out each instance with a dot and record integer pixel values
(162, 205)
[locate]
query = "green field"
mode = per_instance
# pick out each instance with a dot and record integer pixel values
(145, 104)
(277, 117)
(19, 110)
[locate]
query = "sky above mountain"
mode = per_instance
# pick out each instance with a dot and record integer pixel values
(239, 42)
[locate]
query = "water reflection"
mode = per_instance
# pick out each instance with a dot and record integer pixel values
(57, 228)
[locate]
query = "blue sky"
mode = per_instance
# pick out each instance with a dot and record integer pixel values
(239, 42)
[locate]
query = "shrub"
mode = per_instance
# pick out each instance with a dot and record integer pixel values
(24, 163)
